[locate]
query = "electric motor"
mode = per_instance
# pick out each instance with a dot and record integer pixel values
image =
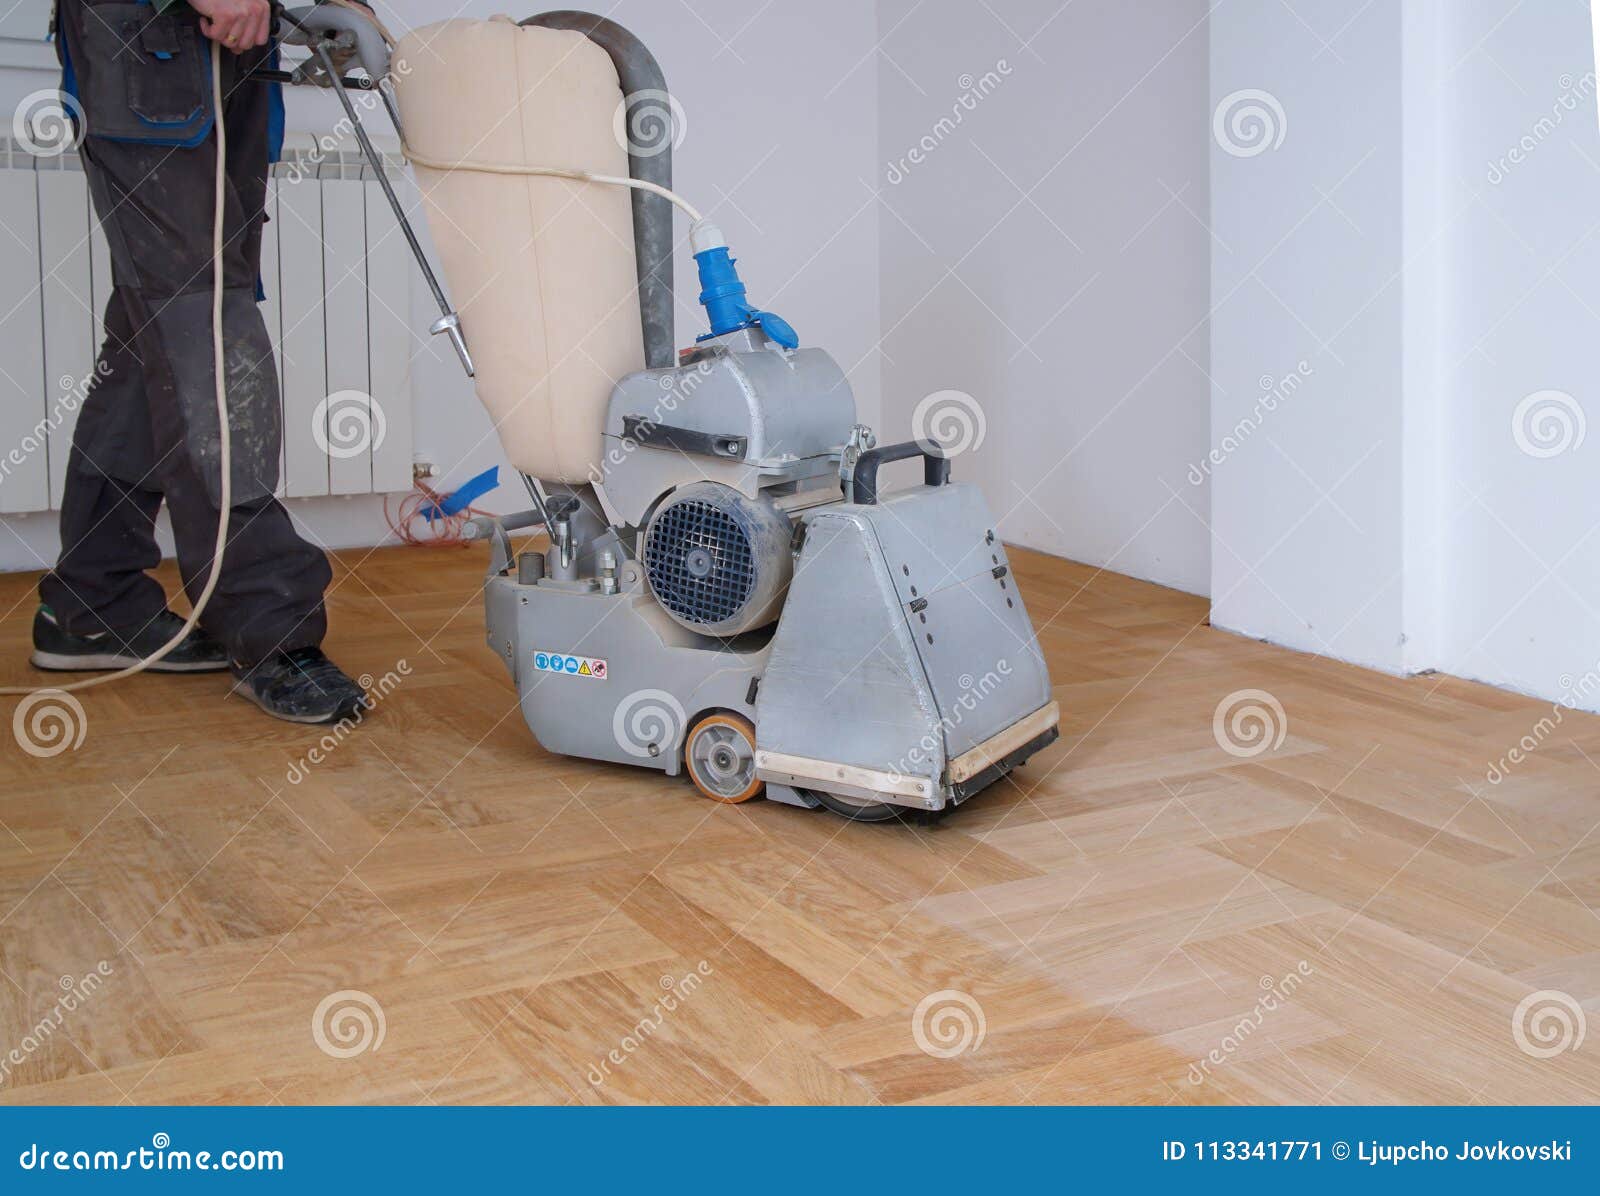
(717, 561)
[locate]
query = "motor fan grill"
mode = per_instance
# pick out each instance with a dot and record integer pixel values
(716, 560)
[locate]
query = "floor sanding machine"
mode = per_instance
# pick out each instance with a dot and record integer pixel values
(730, 589)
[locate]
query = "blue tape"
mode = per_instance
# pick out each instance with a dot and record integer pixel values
(464, 495)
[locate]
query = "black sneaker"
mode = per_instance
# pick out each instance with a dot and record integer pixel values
(57, 649)
(301, 686)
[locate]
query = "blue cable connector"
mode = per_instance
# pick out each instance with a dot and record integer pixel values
(722, 294)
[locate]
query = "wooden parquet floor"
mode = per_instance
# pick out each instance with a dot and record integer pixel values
(1354, 914)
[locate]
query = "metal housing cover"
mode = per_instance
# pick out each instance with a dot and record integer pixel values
(903, 643)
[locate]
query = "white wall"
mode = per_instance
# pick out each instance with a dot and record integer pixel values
(1521, 315)
(1307, 515)
(1048, 256)
(780, 104)
(1426, 236)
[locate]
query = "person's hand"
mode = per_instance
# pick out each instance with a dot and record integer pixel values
(238, 24)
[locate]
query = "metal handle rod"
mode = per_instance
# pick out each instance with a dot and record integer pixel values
(394, 112)
(448, 322)
(536, 492)
(266, 75)
(480, 526)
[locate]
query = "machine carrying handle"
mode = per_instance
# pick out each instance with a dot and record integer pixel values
(864, 482)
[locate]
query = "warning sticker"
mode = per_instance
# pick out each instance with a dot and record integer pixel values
(574, 666)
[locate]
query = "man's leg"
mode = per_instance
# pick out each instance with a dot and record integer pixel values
(156, 204)
(100, 583)
(270, 597)
(109, 505)
(101, 609)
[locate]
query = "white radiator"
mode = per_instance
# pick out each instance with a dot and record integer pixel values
(337, 274)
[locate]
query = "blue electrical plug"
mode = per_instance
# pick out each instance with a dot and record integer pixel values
(722, 292)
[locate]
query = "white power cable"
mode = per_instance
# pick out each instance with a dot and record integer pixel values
(226, 462)
(582, 176)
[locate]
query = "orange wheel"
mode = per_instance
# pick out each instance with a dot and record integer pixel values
(720, 754)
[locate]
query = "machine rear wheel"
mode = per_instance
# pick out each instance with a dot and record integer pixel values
(720, 754)
(858, 810)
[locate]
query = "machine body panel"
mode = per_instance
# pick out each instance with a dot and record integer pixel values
(657, 676)
(977, 646)
(844, 682)
(874, 682)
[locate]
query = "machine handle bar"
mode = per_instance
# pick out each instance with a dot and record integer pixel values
(864, 482)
